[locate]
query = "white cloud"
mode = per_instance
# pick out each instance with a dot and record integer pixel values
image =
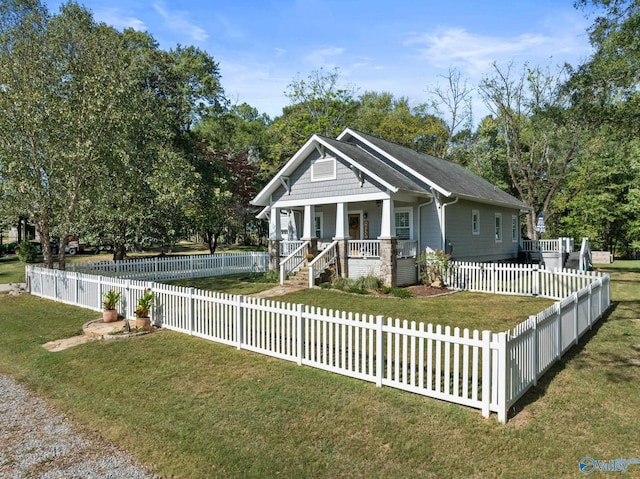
(177, 20)
(322, 56)
(473, 53)
(119, 19)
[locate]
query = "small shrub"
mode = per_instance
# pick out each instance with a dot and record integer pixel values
(27, 252)
(369, 282)
(434, 267)
(401, 293)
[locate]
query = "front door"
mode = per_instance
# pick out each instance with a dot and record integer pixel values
(354, 226)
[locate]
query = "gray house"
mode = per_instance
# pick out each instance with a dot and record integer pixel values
(362, 205)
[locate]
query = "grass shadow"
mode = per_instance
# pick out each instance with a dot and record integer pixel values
(540, 389)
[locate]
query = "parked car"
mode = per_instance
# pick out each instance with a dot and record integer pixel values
(9, 248)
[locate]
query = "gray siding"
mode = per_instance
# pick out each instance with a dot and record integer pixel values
(345, 184)
(482, 247)
(430, 233)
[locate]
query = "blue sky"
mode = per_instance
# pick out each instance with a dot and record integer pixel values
(400, 46)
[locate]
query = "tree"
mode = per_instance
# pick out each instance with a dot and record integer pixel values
(394, 120)
(453, 102)
(319, 105)
(604, 90)
(540, 135)
(83, 104)
(60, 88)
(224, 187)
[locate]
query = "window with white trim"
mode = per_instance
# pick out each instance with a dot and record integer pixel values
(404, 223)
(317, 222)
(475, 222)
(514, 229)
(498, 227)
(323, 169)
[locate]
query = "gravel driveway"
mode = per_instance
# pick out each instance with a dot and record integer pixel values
(38, 442)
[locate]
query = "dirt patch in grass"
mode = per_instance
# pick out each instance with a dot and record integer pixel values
(423, 291)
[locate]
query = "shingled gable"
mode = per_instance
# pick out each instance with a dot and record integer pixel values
(356, 157)
(446, 177)
(397, 168)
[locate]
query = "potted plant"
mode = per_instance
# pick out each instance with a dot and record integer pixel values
(310, 257)
(110, 313)
(144, 307)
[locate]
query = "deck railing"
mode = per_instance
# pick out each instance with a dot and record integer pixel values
(560, 245)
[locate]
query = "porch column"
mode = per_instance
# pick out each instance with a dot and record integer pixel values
(389, 261)
(388, 227)
(275, 236)
(309, 230)
(342, 237)
(388, 245)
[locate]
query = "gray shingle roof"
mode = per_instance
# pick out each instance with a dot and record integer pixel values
(379, 168)
(445, 174)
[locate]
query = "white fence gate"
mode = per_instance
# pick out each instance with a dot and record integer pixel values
(483, 370)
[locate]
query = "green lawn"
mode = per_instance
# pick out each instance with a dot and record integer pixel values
(190, 408)
(11, 270)
(232, 284)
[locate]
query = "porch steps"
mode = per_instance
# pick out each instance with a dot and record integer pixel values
(300, 277)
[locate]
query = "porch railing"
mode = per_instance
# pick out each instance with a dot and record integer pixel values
(371, 249)
(293, 261)
(364, 249)
(320, 262)
(407, 249)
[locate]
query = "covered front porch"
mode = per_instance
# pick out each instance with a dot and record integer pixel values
(352, 239)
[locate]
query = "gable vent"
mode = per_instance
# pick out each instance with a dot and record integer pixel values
(323, 169)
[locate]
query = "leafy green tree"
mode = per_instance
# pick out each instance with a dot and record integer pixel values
(540, 134)
(605, 91)
(319, 105)
(60, 96)
(395, 120)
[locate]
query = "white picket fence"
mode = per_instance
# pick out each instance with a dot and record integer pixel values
(178, 267)
(517, 279)
(483, 370)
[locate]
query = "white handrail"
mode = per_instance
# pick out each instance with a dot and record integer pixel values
(295, 259)
(321, 261)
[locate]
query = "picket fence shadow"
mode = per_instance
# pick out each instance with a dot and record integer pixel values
(479, 369)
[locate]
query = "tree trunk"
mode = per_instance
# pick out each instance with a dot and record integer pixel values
(119, 252)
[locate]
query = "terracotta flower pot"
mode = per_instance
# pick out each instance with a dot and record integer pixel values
(110, 315)
(143, 322)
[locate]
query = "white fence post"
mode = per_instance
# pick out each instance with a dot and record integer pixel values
(486, 373)
(300, 309)
(239, 315)
(494, 286)
(534, 349)
(191, 312)
(575, 318)
(503, 374)
(379, 350)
